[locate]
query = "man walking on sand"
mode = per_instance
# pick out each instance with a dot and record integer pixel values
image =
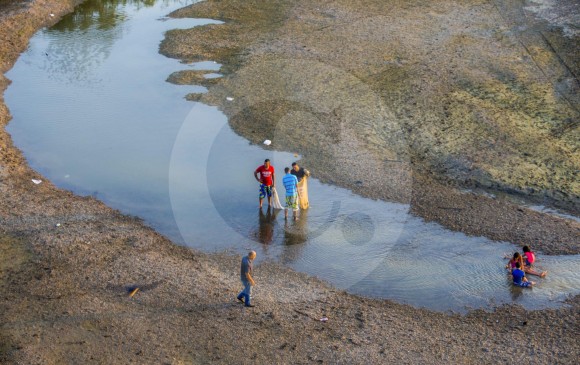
(246, 277)
(291, 185)
(266, 179)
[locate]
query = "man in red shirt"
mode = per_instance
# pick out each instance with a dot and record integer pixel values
(266, 180)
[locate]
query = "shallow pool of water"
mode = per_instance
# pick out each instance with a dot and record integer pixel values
(104, 122)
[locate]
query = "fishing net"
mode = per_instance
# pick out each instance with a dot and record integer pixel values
(303, 194)
(275, 200)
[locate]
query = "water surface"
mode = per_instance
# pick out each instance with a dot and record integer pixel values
(93, 113)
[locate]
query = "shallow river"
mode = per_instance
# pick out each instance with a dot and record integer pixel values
(93, 113)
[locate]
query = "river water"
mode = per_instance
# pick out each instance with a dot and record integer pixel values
(93, 113)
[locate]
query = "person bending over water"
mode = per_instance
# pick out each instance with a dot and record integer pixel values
(519, 277)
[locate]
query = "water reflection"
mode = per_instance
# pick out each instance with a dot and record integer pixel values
(296, 231)
(104, 15)
(266, 225)
(100, 14)
(100, 24)
(295, 238)
(516, 292)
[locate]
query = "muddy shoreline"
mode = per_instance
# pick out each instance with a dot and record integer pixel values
(65, 288)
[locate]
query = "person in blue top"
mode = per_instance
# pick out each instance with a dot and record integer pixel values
(291, 185)
(520, 277)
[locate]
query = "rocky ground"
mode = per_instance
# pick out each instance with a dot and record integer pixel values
(69, 263)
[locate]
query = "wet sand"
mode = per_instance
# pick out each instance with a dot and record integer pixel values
(68, 265)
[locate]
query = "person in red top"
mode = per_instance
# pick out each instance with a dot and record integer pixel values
(267, 179)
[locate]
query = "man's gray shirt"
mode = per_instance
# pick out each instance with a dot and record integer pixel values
(246, 268)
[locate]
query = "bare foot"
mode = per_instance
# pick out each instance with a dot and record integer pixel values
(543, 274)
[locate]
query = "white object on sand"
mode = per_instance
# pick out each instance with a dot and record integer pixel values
(229, 98)
(36, 181)
(267, 142)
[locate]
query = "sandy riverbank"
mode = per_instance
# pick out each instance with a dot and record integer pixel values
(65, 289)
